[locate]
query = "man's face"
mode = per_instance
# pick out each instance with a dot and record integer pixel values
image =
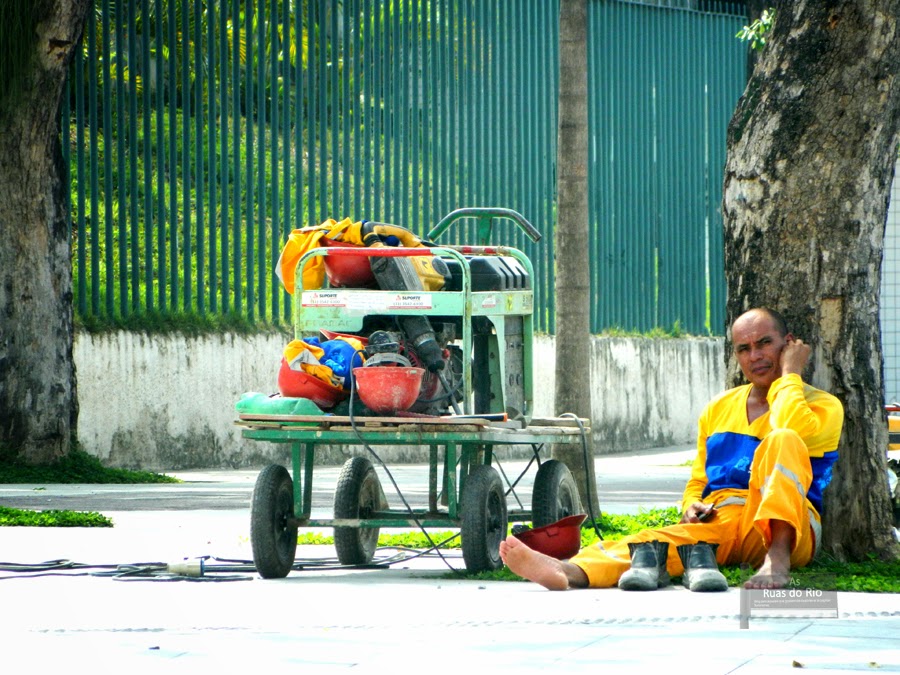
(757, 345)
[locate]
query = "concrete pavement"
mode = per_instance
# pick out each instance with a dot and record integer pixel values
(414, 615)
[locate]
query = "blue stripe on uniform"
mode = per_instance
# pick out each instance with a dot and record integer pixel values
(821, 470)
(728, 459)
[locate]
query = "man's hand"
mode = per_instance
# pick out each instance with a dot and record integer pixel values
(698, 512)
(794, 356)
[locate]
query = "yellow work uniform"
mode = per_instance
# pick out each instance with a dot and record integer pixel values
(774, 468)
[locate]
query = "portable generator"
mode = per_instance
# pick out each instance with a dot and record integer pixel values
(454, 311)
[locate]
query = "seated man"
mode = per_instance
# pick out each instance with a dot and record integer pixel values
(765, 451)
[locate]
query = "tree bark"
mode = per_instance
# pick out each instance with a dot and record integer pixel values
(38, 404)
(573, 339)
(811, 153)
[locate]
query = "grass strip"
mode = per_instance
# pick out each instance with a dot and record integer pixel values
(10, 517)
(76, 467)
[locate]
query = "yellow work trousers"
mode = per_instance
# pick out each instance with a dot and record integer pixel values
(780, 477)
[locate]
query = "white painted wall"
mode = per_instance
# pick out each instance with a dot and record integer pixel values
(167, 403)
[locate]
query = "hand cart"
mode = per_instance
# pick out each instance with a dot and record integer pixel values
(495, 376)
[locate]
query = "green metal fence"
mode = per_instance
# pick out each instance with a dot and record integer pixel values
(201, 133)
(663, 84)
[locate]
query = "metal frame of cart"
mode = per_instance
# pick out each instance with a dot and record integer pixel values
(460, 473)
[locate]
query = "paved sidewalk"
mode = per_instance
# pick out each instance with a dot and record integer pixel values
(415, 616)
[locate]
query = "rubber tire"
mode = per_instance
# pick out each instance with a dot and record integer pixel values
(358, 495)
(555, 494)
(484, 519)
(272, 536)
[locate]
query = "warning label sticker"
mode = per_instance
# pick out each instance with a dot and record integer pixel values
(323, 299)
(369, 301)
(410, 301)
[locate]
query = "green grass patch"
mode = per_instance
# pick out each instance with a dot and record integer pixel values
(76, 467)
(614, 526)
(446, 539)
(22, 518)
(872, 576)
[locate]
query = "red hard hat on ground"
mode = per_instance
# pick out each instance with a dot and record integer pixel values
(560, 540)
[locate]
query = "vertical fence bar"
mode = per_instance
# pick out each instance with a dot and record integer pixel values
(246, 264)
(265, 94)
(109, 237)
(146, 157)
(508, 110)
(218, 153)
(426, 117)
(333, 119)
(237, 218)
(378, 20)
(301, 92)
(94, 160)
(202, 182)
(311, 99)
(301, 32)
(446, 104)
(259, 164)
(322, 112)
(81, 256)
(395, 130)
(415, 168)
(432, 42)
(161, 150)
(348, 109)
(367, 23)
(186, 163)
(280, 171)
(172, 157)
(122, 187)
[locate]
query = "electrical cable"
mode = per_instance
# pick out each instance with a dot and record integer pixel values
(156, 571)
(390, 476)
(587, 474)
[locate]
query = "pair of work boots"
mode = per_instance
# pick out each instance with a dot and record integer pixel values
(648, 567)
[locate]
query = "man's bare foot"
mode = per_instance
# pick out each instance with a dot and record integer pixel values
(775, 571)
(550, 573)
(770, 575)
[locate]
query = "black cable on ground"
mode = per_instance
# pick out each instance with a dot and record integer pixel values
(390, 476)
(152, 571)
(587, 474)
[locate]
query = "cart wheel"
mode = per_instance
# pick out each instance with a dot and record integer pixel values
(358, 495)
(555, 494)
(484, 519)
(273, 535)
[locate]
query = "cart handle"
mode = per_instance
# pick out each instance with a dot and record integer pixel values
(386, 252)
(485, 216)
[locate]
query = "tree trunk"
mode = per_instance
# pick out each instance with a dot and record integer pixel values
(811, 153)
(38, 404)
(573, 339)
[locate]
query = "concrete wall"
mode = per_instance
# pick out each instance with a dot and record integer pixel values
(167, 403)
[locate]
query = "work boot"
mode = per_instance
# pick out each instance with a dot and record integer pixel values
(701, 573)
(648, 567)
